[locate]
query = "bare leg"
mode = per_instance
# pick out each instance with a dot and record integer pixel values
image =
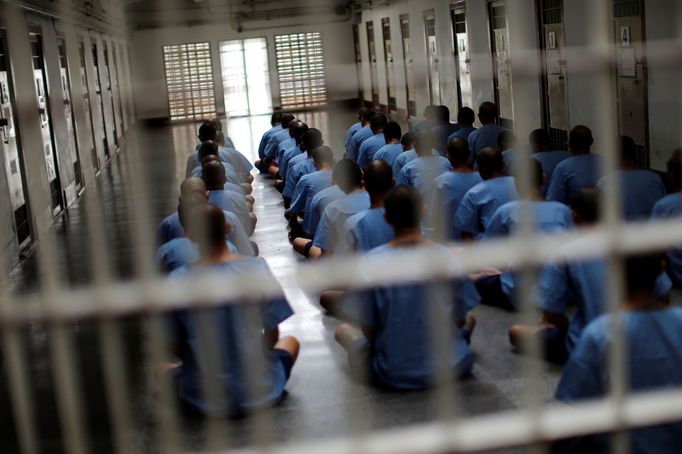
(300, 245)
(254, 220)
(520, 335)
(329, 300)
(290, 345)
(247, 187)
(315, 253)
(346, 335)
(250, 199)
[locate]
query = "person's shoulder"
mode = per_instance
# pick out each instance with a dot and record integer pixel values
(556, 206)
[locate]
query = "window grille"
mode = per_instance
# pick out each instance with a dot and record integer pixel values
(301, 70)
(189, 80)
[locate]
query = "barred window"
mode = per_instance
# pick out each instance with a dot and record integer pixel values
(301, 70)
(189, 80)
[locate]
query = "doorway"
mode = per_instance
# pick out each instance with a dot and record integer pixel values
(409, 67)
(388, 60)
(499, 40)
(68, 112)
(465, 96)
(374, 78)
(49, 148)
(100, 100)
(11, 148)
(631, 75)
(554, 84)
(88, 108)
(246, 77)
(432, 55)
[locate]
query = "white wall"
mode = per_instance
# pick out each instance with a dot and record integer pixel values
(149, 76)
(591, 95)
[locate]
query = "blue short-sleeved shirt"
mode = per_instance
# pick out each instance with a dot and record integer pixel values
(654, 354)
(402, 160)
(639, 192)
(508, 157)
(449, 190)
(283, 147)
(442, 134)
(670, 207)
(479, 204)
(308, 186)
(548, 217)
(273, 144)
(389, 153)
(422, 172)
(580, 284)
(232, 202)
(367, 230)
(484, 137)
(369, 148)
(403, 353)
(349, 135)
(548, 161)
(231, 174)
(288, 155)
(170, 229)
(298, 167)
(180, 252)
(462, 133)
(356, 141)
(237, 160)
(330, 234)
(193, 160)
(572, 175)
(318, 204)
(266, 138)
(238, 336)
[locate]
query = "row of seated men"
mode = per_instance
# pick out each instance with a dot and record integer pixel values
(338, 207)
(462, 179)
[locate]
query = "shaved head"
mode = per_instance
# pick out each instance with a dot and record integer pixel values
(487, 112)
(192, 187)
(378, 177)
(214, 175)
(580, 139)
(490, 162)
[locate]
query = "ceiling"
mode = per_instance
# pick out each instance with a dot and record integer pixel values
(143, 14)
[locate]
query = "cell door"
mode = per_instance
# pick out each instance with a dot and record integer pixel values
(554, 85)
(409, 67)
(358, 60)
(432, 55)
(388, 60)
(10, 147)
(88, 109)
(100, 101)
(117, 87)
(371, 45)
(499, 38)
(631, 75)
(70, 118)
(110, 91)
(42, 95)
(465, 94)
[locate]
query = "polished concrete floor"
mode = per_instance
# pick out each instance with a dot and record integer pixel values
(323, 401)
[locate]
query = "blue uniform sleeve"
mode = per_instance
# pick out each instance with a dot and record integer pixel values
(497, 227)
(466, 216)
(290, 184)
(582, 377)
(361, 307)
(553, 288)
(362, 156)
(192, 162)
(298, 200)
(271, 147)
(557, 189)
(263, 143)
(324, 232)
(467, 298)
(402, 179)
(238, 235)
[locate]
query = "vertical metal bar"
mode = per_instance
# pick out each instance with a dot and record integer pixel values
(600, 33)
(524, 57)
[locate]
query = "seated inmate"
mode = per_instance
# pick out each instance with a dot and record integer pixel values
(652, 331)
(245, 337)
(394, 344)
